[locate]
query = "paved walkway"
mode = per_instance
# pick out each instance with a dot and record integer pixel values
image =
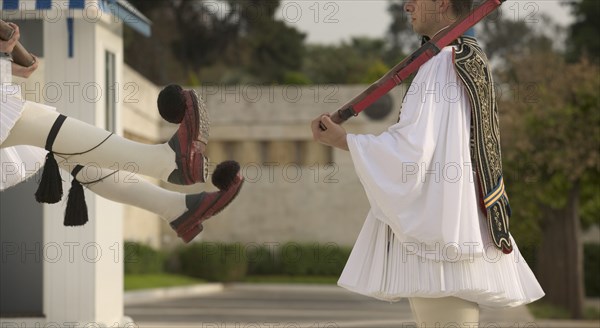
(295, 306)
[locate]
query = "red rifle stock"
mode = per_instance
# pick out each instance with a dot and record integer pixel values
(411, 64)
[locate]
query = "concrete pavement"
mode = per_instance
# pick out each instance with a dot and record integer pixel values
(293, 306)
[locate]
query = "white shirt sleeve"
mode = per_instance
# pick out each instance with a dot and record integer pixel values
(418, 175)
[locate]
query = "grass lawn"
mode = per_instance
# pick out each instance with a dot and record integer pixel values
(541, 310)
(332, 280)
(145, 281)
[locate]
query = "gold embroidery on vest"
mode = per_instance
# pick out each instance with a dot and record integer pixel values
(471, 65)
(476, 68)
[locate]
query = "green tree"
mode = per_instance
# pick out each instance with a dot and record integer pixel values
(506, 38)
(553, 120)
(275, 50)
(550, 123)
(583, 33)
(328, 64)
(153, 56)
(356, 62)
(220, 41)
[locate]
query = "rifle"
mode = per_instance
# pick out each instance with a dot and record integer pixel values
(411, 64)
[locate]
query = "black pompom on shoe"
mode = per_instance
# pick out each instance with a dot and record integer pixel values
(225, 174)
(171, 103)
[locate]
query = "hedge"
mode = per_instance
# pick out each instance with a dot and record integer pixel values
(142, 259)
(262, 260)
(214, 261)
(233, 262)
(313, 259)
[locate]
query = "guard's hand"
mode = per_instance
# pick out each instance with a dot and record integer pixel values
(334, 134)
(25, 72)
(9, 45)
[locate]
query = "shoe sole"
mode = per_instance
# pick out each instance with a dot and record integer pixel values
(182, 150)
(192, 233)
(187, 232)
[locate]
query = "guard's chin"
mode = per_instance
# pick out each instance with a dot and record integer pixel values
(415, 28)
(420, 32)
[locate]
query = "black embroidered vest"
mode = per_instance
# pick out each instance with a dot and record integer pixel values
(473, 69)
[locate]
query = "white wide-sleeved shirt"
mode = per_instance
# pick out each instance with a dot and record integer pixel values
(425, 235)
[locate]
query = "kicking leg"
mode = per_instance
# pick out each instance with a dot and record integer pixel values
(75, 136)
(179, 161)
(120, 187)
(185, 213)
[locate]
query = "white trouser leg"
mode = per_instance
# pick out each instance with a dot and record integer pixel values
(123, 188)
(444, 312)
(75, 136)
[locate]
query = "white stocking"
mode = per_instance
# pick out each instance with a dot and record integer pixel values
(444, 312)
(75, 136)
(123, 188)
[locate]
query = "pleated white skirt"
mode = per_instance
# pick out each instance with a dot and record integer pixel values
(384, 267)
(18, 163)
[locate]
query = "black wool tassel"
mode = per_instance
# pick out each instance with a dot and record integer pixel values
(50, 189)
(76, 213)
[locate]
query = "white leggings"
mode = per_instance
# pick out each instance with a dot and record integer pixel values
(444, 312)
(75, 136)
(129, 157)
(134, 190)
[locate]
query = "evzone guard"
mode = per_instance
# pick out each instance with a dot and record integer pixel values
(442, 242)
(32, 134)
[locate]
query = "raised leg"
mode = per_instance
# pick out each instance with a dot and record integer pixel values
(76, 137)
(121, 187)
(184, 212)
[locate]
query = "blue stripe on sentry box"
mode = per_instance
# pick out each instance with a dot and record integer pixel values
(76, 4)
(43, 4)
(10, 5)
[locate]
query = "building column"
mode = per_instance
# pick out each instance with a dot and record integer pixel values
(83, 267)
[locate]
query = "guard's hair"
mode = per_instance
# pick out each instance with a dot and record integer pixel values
(461, 7)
